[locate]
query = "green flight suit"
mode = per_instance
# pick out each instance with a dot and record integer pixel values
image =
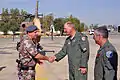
(78, 55)
(106, 63)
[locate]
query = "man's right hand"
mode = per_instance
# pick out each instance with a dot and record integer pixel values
(52, 59)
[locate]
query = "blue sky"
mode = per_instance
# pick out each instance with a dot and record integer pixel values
(88, 11)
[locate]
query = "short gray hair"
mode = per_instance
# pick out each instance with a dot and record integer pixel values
(102, 31)
(70, 24)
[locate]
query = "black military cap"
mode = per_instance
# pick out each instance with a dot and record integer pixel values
(31, 28)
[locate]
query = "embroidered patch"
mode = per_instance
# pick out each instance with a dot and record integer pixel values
(109, 54)
(83, 38)
(84, 49)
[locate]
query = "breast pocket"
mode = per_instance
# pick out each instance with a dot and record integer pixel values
(108, 65)
(76, 46)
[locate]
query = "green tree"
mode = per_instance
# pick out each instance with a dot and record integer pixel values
(47, 21)
(5, 15)
(14, 13)
(58, 24)
(11, 20)
(74, 20)
(23, 12)
(82, 27)
(14, 26)
(16, 19)
(4, 27)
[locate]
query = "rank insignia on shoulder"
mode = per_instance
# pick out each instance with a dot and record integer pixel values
(83, 38)
(109, 54)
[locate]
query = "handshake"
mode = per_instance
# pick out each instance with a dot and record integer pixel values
(51, 59)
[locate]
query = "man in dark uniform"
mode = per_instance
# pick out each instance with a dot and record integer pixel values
(77, 48)
(107, 59)
(28, 55)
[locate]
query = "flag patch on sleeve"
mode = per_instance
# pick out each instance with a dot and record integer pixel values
(109, 54)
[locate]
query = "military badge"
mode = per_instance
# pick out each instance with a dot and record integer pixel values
(74, 40)
(84, 49)
(83, 38)
(109, 54)
(68, 42)
(97, 55)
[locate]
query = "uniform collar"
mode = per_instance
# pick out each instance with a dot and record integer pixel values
(76, 34)
(106, 44)
(27, 38)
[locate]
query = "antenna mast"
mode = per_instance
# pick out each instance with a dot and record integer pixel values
(36, 12)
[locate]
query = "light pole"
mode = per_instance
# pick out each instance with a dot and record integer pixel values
(51, 27)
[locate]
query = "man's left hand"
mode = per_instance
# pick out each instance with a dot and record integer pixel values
(83, 70)
(40, 62)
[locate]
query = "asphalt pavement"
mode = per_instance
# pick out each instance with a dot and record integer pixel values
(56, 70)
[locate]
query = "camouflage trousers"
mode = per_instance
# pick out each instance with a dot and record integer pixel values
(26, 75)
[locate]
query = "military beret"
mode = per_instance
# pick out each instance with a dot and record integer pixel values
(31, 28)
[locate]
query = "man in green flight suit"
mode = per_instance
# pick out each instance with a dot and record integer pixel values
(76, 46)
(107, 59)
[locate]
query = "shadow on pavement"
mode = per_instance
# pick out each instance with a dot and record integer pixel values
(1, 68)
(8, 48)
(3, 52)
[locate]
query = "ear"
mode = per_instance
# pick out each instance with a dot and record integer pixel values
(29, 33)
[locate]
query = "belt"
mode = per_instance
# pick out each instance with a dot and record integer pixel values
(31, 68)
(27, 68)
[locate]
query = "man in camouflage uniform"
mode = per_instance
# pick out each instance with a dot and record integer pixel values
(107, 59)
(28, 55)
(77, 48)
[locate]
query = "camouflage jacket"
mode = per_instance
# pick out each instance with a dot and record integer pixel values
(27, 52)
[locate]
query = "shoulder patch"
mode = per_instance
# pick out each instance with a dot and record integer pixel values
(83, 38)
(109, 54)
